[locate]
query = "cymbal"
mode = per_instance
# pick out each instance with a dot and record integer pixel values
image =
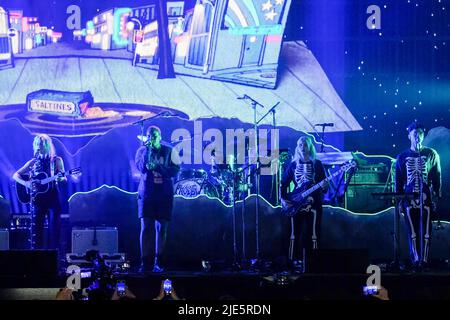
(145, 139)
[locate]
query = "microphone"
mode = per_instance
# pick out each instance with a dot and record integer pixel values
(331, 124)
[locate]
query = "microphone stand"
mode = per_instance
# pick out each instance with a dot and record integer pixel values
(277, 174)
(397, 199)
(258, 254)
(242, 176)
(434, 200)
(239, 176)
(258, 164)
(33, 171)
(141, 125)
(33, 221)
(235, 251)
(421, 208)
(244, 256)
(254, 104)
(396, 263)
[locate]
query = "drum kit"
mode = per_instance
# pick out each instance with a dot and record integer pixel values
(228, 182)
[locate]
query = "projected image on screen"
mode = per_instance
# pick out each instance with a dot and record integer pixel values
(193, 60)
(237, 41)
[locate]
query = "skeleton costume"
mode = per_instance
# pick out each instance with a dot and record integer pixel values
(411, 168)
(305, 227)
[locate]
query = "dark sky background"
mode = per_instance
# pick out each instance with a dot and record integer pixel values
(387, 78)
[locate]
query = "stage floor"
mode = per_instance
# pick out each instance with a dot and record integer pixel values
(194, 286)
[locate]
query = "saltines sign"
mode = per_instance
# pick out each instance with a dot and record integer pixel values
(63, 103)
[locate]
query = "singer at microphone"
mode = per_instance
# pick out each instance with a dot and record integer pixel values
(418, 170)
(48, 204)
(158, 166)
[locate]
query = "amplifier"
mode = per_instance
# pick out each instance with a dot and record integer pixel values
(104, 240)
(370, 174)
(336, 261)
(4, 239)
(5, 213)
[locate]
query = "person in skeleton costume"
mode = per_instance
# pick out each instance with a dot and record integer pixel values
(304, 172)
(416, 167)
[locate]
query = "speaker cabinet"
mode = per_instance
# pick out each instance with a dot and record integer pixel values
(4, 239)
(359, 198)
(336, 261)
(29, 262)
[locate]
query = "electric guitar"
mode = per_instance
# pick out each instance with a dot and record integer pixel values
(301, 200)
(40, 184)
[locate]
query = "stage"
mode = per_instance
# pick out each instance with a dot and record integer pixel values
(245, 285)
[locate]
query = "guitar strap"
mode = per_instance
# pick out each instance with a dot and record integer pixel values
(52, 166)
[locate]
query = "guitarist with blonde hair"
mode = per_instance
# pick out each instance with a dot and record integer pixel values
(42, 204)
(305, 171)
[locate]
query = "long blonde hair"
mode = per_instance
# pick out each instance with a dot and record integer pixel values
(48, 145)
(311, 149)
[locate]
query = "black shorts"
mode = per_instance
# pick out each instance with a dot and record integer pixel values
(157, 205)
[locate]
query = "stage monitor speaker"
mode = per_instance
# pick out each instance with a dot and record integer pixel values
(359, 199)
(4, 239)
(104, 240)
(336, 261)
(29, 263)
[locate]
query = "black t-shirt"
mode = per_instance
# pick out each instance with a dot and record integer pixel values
(155, 192)
(160, 178)
(50, 198)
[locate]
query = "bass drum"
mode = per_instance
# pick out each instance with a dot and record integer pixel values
(191, 188)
